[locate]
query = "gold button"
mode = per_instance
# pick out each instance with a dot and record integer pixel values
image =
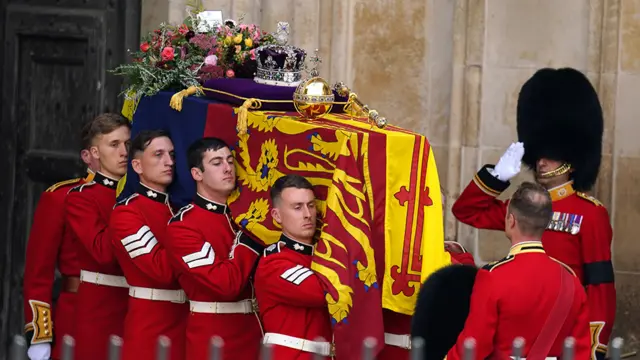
(45, 320)
(46, 326)
(44, 312)
(46, 332)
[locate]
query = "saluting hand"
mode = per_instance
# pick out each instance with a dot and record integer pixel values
(509, 164)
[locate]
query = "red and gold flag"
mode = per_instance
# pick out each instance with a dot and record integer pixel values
(379, 201)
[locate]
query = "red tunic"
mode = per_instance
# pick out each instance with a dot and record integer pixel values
(579, 235)
(138, 229)
(398, 326)
(513, 297)
(291, 298)
(100, 309)
(214, 271)
(50, 246)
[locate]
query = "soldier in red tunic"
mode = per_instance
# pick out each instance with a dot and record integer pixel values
(215, 259)
(527, 294)
(290, 296)
(157, 304)
(560, 124)
(102, 294)
(50, 236)
(397, 326)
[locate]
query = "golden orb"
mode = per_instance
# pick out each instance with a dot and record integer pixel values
(313, 98)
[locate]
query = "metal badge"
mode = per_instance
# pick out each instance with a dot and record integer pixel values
(558, 224)
(575, 227)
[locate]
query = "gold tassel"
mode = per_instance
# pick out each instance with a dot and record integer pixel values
(176, 99)
(243, 113)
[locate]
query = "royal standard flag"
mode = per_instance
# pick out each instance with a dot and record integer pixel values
(381, 228)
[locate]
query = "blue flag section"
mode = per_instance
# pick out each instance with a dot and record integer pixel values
(184, 126)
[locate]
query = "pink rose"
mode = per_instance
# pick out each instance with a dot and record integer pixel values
(211, 60)
(183, 29)
(230, 73)
(144, 47)
(253, 54)
(168, 54)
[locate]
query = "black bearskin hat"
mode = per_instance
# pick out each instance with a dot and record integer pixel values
(442, 308)
(560, 118)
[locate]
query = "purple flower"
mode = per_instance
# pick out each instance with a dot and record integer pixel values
(203, 41)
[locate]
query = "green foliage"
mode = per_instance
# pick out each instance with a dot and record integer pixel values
(176, 57)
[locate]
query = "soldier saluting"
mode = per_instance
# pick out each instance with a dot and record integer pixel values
(560, 125)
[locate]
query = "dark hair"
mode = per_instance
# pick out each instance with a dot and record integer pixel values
(196, 150)
(101, 125)
(141, 141)
(531, 207)
(288, 181)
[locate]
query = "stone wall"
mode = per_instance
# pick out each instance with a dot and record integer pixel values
(451, 69)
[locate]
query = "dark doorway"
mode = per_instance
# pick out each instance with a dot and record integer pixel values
(54, 77)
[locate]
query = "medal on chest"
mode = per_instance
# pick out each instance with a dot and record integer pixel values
(565, 222)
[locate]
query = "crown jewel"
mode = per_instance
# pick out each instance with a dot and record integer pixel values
(280, 64)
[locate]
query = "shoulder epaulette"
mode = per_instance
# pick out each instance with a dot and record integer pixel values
(79, 188)
(272, 249)
(126, 200)
(56, 186)
(494, 264)
(180, 214)
(564, 265)
(589, 198)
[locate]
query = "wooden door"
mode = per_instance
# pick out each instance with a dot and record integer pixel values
(55, 59)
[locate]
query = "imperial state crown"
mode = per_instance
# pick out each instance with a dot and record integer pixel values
(280, 64)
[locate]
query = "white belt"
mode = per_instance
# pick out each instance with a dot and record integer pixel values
(317, 347)
(176, 296)
(402, 341)
(103, 279)
(240, 307)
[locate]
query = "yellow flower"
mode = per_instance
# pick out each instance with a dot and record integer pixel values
(248, 42)
(227, 41)
(238, 39)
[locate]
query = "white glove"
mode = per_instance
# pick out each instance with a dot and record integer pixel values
(39, 351)
(509, 164)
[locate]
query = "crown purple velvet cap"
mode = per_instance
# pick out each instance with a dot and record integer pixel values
(280, 65)
(247, 88)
